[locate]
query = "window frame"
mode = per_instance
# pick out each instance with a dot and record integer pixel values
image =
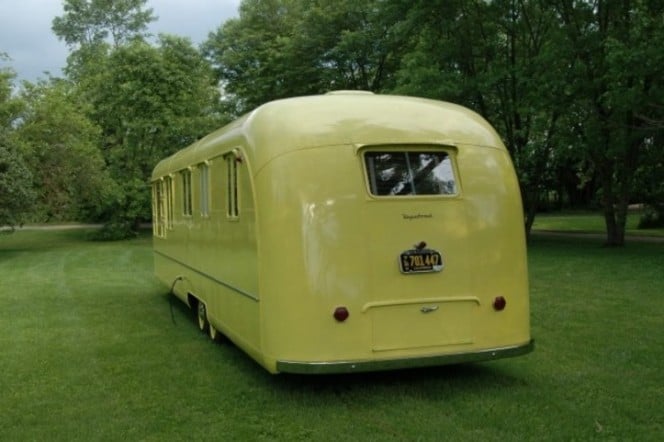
(370, 172)
(204, 191)
(158, 228)
(170, 201)
(232, 184)
(187, 204)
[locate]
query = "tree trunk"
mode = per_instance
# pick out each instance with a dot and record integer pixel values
(530, 199)
(615, 208)
(615, 234)
(530, 220)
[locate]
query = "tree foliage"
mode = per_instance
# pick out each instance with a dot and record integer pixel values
(149, 102)
(283, 48)
(573, 86)
(16, 195)
(616, 49)
(356, 45)
(146, 100)
(92, 27)
(254, 55)
(90, 22)
(500, 59)
(60, 145)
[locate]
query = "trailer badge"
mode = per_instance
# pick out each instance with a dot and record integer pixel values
(419, 259)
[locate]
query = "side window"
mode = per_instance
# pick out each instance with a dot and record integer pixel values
(168, 183)
(232, 204)
(203, 171)
(408, 173)
(186, 192)
(158, 209)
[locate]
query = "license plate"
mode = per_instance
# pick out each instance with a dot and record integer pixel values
(420, 261)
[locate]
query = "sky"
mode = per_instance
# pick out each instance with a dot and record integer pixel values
(26, 36)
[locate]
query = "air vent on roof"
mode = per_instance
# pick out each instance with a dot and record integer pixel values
(349, 92)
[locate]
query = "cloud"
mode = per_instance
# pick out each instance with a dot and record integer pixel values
(26, 35)
(194, 19)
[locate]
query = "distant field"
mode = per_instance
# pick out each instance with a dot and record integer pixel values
(589, 222)
(90, 352)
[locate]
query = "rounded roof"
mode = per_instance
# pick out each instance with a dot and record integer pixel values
(338, 118)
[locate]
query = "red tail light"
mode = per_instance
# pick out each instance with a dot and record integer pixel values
(341, 314)
(499, 303)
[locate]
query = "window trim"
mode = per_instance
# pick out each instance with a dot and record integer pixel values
(187, 204)
(170, 201)
(158, 227)
(204, 191)
(232, 184)
(450, 151)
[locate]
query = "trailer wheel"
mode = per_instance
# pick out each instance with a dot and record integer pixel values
(214, 333)
(203, 323)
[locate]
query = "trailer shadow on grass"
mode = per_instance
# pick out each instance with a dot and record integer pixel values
(426, 381)
(453, 379)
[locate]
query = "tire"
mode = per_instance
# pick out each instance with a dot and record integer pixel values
(203, 324)
(214, 333)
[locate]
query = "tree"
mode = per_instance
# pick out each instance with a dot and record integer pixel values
(500, 59)
(91, 27)
(149, 102)
(61, 146)
(616, 47)
(253, 55)
(146, 101)
(285, 48)
(356, 45)
(89, 22)
(649, 180)
(16, 196)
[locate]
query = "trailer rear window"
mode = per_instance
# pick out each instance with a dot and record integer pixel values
(402, 173)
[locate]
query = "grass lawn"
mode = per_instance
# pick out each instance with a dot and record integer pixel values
(589, 223)
(89, 352)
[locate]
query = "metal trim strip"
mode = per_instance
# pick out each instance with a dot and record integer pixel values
(205, 275)
(374, 304)
(298, 367)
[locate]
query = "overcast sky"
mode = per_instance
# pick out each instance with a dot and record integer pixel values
(26, 36)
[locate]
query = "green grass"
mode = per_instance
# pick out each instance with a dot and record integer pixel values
(587, 222)
(89, 352)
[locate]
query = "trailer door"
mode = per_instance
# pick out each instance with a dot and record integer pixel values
(420, 266)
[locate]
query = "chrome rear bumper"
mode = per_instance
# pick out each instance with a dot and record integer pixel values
(393, 364)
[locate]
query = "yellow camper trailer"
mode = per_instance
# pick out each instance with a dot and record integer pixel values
(348, 232)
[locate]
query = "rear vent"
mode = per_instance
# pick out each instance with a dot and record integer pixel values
(349, 92)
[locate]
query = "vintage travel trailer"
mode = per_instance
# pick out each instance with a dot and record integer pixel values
(348, 232)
